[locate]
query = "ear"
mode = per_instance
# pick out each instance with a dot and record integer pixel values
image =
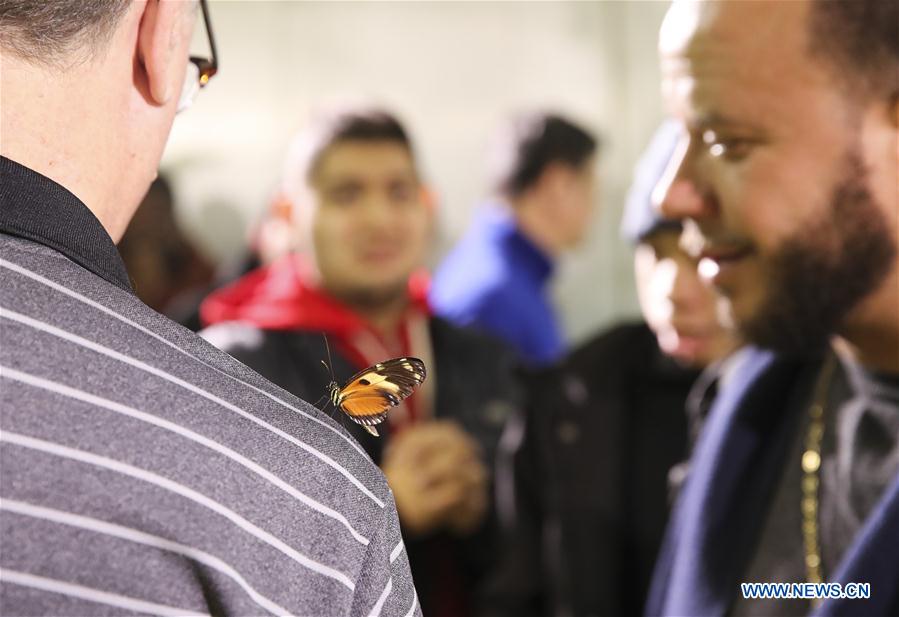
(556, 180)
(431, 202)
(281, 207)
(429, 199)
(158, 37)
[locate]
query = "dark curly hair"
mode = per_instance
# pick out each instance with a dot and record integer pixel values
(859, 40)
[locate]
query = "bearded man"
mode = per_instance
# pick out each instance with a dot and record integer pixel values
(786, 176)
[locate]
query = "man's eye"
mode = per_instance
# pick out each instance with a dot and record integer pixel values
(402, 192)
(344, 195)
(728, 148)
(731, 149)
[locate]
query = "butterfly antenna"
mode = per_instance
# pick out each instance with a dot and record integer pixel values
(330, 365)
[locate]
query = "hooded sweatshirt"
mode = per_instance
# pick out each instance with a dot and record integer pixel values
(282, 297)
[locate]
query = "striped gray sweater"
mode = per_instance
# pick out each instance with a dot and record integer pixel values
(144, 471)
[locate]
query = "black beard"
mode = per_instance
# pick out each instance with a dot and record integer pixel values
(821, 273)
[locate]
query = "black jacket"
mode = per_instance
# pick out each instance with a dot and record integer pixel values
(590, 460)
(476, 386)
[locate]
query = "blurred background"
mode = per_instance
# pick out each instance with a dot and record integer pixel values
(451, 71)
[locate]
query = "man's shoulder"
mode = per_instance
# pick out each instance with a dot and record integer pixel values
(74, 329)
(483, 295)
(471, 274)
(624, 339)
(177, 443)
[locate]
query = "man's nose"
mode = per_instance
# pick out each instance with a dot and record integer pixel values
(680, 200)
(377, 212)
(676, 195)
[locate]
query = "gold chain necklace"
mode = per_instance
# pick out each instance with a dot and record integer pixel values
(811, 465)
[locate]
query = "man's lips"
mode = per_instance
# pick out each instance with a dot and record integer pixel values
(376, 254)
(713, 247)
(722, 254)
(719, 264)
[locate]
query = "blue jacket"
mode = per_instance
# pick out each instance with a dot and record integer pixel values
(735, 468)
(495, 280)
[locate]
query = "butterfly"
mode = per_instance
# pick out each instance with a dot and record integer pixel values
(370, 394)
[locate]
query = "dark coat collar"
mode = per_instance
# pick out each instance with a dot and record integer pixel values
(35, 207)
(718, 516)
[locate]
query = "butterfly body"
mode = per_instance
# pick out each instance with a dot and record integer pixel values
(370, 394)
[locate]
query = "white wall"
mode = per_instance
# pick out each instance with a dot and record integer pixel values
(451, 70)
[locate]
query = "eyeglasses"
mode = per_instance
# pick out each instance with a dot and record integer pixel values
(200, 70)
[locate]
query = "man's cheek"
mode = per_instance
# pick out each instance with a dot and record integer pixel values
(347, 231)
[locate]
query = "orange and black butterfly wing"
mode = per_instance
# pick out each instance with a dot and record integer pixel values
(372, 393)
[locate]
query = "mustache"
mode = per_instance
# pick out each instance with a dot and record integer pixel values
(695, 241)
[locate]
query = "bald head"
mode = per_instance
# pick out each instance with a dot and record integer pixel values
(855, 41)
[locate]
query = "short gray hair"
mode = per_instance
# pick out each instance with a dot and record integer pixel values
(47, 32)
